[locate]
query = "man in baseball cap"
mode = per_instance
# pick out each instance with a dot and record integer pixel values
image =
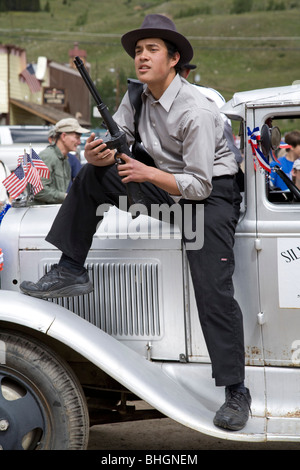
(64, 138)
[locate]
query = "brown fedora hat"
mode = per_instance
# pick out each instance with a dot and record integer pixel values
(158, 26)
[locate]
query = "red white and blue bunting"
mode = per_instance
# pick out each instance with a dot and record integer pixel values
(255, 142)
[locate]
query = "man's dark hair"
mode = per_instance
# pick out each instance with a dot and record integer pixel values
(172, 49)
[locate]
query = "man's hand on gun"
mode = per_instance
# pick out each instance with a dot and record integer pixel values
(97, 153)
(132, 170)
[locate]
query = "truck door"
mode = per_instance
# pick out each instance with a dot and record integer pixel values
(278, 245)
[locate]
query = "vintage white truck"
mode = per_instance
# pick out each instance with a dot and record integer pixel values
(71, 363)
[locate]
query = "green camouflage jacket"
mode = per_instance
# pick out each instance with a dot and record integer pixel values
(55, 187)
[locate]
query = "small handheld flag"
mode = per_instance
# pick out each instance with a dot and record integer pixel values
(30, 169)
(16, 182)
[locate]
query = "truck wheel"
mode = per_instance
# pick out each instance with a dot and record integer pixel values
(42, 406)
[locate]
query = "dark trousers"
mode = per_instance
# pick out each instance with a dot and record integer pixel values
(211, 266)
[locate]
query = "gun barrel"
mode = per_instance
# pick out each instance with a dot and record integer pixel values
(81, 69)
(102, 108)
(118, 141)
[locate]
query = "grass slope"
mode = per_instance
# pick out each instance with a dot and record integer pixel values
(233, 52)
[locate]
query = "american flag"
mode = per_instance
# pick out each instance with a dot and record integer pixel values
(29, 170)
(30, 78)
(39, 165)
(16, 182)
(33, 159)
(34, 179)
(25, 161)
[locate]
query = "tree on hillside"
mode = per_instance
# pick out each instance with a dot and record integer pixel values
(241, 6)
(20, 5)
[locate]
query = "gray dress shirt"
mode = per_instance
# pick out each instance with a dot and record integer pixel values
(183, 131)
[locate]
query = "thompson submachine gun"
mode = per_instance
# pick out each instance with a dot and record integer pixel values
(117, 138)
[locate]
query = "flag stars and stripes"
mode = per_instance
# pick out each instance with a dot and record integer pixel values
(30, 169)
(16, 182)
(28, 75)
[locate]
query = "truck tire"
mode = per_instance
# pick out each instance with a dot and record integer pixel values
(42, 406)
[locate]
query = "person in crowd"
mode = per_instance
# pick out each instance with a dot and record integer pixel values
(286, 162)
(296, 173)
(75, 167)
(192, 165)
(65, 139)
(72, 157)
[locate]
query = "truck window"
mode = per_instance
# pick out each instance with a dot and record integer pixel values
(282, 161)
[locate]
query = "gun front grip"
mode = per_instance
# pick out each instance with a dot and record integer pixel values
(134, 193)
(118, 143)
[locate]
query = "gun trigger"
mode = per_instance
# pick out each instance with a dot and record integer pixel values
(117, 159)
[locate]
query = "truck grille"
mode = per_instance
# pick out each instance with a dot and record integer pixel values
(125, 301)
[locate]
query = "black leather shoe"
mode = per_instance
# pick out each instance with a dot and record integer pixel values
(58, 282)
(234, 414)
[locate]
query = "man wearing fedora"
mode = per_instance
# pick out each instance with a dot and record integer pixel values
(65, 138)
(192, 164)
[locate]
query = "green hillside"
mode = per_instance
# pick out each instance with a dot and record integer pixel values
(233, 51)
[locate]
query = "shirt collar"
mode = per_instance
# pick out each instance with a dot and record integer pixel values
(167, 98)
(58, 152)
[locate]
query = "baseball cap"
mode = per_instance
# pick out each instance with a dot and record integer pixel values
(51, 132)
(69, 125)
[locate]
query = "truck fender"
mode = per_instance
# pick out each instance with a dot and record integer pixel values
(148, 380)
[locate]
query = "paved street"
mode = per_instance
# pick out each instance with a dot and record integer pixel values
(166, 434)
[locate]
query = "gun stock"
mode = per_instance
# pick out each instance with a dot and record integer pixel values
(117, 138)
